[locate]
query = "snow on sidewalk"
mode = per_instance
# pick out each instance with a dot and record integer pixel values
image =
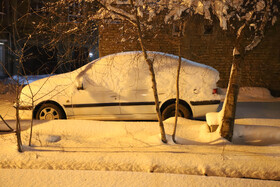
(69, 178)
(136, 146)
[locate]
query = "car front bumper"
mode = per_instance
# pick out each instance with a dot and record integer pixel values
(23, 107)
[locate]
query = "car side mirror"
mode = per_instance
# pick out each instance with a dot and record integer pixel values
(80, 87)
(79, 83)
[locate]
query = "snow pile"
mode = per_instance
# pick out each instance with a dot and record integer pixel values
(246, 93)
(252, 94)
(256, 131)
(193, 132)
(250, 131)
(118, 134)
(212, 118)
(136, 146)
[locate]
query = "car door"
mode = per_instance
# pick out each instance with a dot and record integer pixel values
(137, 96)
(137, 101)
(95, 101)
(94, 96)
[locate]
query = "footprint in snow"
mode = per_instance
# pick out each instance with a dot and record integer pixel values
(53, 139)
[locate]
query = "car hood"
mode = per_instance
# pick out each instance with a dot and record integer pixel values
(49, 87)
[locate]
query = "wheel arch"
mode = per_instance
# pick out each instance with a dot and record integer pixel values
(172, 101)
(47, 102)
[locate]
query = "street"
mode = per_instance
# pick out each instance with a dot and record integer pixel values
(267, 110)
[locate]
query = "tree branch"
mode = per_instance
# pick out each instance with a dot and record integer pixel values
(117, 13)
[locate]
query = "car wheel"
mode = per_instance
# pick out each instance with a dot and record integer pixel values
(169, 111)
(49, 111)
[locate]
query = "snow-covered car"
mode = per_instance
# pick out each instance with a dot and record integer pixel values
(119, 87)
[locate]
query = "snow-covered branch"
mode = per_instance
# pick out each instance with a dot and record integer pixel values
(112, 9)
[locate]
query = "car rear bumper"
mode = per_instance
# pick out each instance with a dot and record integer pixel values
(201, 108)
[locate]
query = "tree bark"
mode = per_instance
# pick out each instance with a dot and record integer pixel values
(177, 80)
(230, 102)
(18, 128)
(19, 54)
(229, 107)
(153, 77)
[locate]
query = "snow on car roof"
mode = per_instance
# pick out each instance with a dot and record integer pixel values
(126, 70)
(157, 54)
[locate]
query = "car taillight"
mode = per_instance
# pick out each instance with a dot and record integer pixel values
(215, 91)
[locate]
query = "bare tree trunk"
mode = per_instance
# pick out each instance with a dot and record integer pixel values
(18, 128)
(153, 77)
(15, 34)
(32, 121)
(177, 80)
(229, 106)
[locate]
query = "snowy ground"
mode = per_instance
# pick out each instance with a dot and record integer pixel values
(96, 153)
(136, 146)
(69, 178)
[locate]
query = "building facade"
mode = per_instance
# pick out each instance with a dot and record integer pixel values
(203, 43)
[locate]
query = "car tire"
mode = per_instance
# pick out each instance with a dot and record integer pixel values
(169, 111)
(49, 111)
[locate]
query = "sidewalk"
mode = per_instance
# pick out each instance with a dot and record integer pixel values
(69, 178)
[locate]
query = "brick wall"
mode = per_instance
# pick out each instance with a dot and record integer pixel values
(261, 66)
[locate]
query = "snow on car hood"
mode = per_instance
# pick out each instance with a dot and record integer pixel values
(49, 87)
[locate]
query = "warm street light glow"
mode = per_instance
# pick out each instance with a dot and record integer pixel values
(90, 54)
